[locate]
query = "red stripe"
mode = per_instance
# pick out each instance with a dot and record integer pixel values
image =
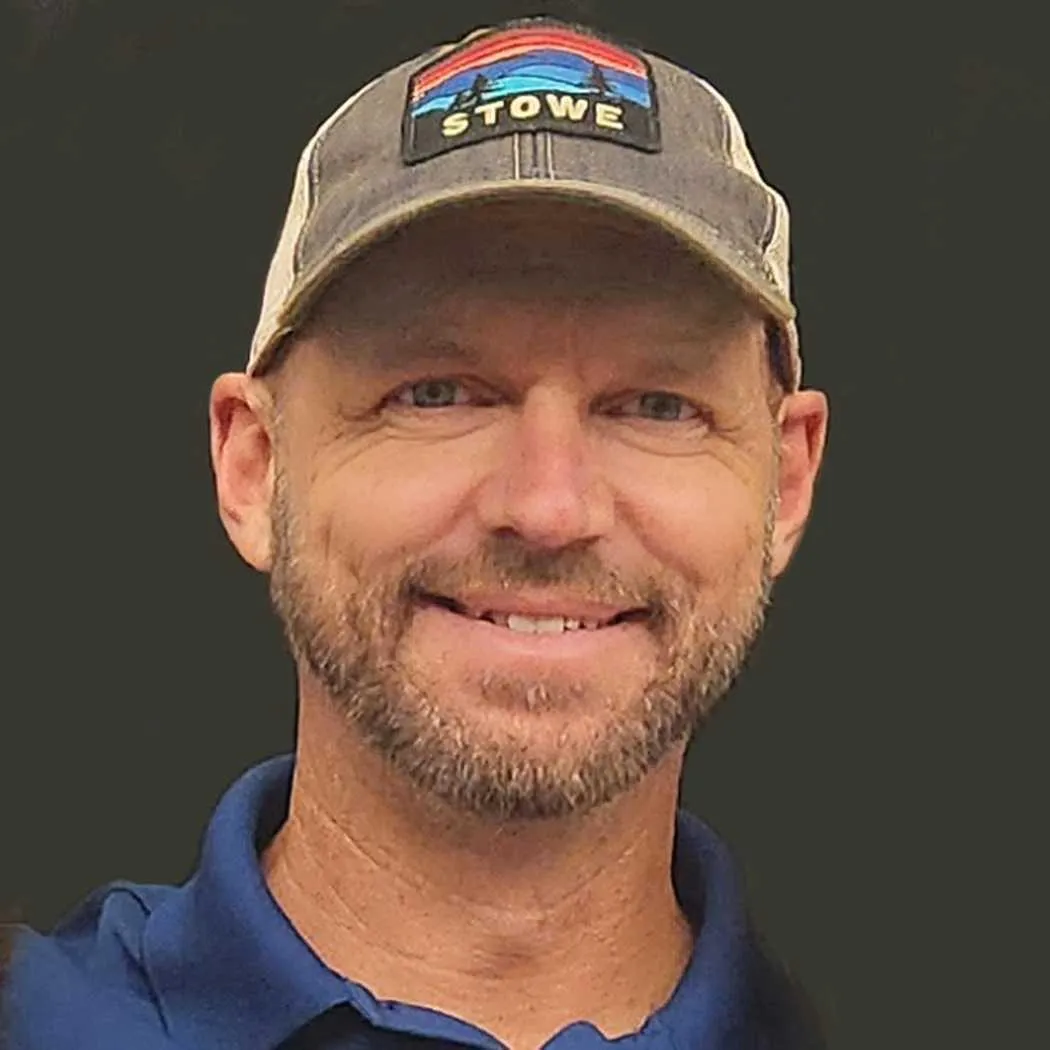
(572, 42)
(424, 84)
(521, 42)
(569, 38)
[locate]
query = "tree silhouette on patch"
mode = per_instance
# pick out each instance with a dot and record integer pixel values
(598, 83)
(471, 96)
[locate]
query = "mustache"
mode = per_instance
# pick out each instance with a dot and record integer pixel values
(505, 563)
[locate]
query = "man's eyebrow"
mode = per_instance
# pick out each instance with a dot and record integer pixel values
(662, 366)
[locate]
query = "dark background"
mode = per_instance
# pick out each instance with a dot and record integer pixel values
(876, 770)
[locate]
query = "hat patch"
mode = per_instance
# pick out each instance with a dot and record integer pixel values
(530, 78)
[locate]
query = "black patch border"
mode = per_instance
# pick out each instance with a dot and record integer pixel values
(408, 146)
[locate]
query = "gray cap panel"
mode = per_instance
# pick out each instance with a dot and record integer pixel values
(730, 203)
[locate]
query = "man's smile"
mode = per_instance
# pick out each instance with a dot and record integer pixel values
(537, 612)
(544, 628)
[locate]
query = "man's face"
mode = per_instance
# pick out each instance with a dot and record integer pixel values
(507, 416)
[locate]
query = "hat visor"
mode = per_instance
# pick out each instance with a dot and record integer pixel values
(695, 234)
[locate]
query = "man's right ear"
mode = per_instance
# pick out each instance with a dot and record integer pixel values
(243, 461)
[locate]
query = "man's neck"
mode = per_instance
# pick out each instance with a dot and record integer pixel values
(518, 929)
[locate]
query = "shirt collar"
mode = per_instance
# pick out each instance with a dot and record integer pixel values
(220, 953)
(223, 958)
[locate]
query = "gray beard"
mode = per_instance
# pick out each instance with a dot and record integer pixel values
(350, 640)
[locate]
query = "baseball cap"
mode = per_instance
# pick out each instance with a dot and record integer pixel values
(534, 106)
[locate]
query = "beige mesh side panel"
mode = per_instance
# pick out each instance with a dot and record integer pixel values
(740, 156)
(778, 247)
(794, 354)
(281, 275)
(777, 253)
(777, 257)
(739, 153)
(282, 267)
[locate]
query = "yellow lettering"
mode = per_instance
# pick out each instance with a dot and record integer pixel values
(489, 111)
(455, 124)
(566, 107)
(608, 116)
(524, 107)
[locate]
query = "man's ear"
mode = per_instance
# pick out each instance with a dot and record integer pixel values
(803, 425)
(240, 416)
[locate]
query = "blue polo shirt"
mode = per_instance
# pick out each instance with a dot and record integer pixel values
(215, 964)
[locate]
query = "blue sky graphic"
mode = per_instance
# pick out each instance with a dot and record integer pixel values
(539, 72)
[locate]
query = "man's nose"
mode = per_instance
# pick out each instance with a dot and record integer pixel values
(546, 484)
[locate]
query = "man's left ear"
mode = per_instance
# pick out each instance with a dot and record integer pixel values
(803, 426)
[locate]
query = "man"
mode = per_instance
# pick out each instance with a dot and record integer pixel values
(521, 445)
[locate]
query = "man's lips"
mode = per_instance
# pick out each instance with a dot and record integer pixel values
(497, 607)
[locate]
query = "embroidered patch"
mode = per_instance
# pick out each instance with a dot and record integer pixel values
(532, 77)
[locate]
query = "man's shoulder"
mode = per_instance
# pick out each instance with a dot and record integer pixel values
(87, 977)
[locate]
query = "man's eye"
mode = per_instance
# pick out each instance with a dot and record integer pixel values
(431, 393)
(660, 406)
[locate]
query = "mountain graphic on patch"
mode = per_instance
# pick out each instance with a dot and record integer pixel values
(532, 77)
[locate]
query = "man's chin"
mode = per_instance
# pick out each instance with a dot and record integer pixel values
(526, 775)
(520, 749)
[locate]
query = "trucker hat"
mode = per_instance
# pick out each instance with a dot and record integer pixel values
(533, 106)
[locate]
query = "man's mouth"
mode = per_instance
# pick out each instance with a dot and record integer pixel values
(533, 621)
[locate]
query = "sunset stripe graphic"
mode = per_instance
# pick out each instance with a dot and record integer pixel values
(520, 42)
(532, 77)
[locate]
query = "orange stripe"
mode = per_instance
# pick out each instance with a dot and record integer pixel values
(512, 44)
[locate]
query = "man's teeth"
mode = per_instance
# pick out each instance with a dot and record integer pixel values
(536, 624)
(542, 625)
